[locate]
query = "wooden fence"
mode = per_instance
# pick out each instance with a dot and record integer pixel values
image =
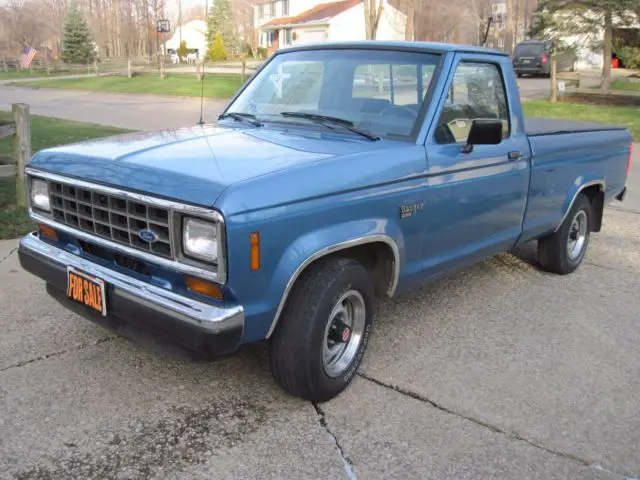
(20, 130)
(131, 66)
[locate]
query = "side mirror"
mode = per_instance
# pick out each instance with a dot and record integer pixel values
(484, 131)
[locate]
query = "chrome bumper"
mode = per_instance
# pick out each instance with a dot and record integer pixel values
(136, 301)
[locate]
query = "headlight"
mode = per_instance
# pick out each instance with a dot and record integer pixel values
(40, 195)
(200, 239)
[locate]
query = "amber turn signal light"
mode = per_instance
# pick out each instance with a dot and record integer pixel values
(203, 287)
(255, 251)
(48, 232)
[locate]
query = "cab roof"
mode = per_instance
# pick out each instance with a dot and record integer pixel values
(427, 47)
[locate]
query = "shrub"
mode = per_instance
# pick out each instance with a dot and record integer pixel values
(183, 51)
(216, 49)
(630, 56)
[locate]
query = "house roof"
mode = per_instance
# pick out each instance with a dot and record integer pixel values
(319, 12)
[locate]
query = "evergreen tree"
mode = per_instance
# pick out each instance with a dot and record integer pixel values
(587, 20)
(220, 20)
(216, 50)
(183, 51)
(77, 46)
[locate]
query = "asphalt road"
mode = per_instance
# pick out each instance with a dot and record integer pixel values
(499, 371)
(148, 112)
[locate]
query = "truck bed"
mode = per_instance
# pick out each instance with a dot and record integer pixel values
(534, 126)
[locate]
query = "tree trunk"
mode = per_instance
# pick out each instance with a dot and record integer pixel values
(608, 50)
(367, 20)
(508, 37)
(408, 32)
(372, 17)
(554, 81)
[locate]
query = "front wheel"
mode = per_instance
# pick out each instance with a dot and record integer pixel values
(324, 330)
(563, 251)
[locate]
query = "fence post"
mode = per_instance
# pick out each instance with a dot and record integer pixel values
(162, 68)
(4, 65)
(129, 72)
(21, 147)
(47, 67)
(95, 67)
(243, 72)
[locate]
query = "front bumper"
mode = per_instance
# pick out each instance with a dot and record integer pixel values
(134, 306)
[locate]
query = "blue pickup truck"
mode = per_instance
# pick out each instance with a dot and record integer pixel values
(338, 173)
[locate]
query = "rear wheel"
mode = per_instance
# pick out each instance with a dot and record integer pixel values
(563, 251)
(324, 330)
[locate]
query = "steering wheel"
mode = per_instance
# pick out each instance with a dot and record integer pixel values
(400, 108)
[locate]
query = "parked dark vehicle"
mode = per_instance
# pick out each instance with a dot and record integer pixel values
(533, 57)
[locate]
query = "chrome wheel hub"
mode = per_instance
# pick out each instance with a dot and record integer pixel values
(577, 236)
(343, 333)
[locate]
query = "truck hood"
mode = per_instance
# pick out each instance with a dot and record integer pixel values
(192, 165)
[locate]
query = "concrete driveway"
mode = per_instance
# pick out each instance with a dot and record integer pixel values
(499, 371)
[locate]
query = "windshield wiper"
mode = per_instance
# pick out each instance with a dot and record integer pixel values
(348, 124)
(247, 117)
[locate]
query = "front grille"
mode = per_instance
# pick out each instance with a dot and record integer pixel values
(111, 217)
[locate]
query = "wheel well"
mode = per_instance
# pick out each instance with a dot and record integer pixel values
(378, 258)
(595, 194)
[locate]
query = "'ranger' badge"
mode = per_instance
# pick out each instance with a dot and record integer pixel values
(408, 210)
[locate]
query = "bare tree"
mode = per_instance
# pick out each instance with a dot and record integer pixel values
(372, 14)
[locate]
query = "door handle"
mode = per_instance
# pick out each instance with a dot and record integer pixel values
(515, 155)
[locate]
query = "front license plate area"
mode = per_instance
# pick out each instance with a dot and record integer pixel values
(87, 290)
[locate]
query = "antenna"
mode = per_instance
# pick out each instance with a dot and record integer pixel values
(206, 18)
(486, 33)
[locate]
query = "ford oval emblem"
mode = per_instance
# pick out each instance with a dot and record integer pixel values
(147, 235)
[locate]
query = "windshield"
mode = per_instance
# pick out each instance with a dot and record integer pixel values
(379, 91)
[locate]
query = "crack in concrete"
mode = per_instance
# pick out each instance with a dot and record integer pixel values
(11, 252)
(493, 428)
(624, 210)
(607, 267)
(481, 423)
(82, 346)
(347, 464)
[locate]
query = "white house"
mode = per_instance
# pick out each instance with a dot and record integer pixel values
(280, 23)
(194, 33)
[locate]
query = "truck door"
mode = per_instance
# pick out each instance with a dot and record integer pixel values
(476, 201)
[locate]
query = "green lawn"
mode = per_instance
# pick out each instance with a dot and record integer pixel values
(45, 132)
(13, 74)
(625, 85)
(215, 85)
(626, 116)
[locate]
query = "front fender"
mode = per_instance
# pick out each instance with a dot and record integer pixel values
(319, 243)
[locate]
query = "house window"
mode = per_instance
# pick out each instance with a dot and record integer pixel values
(285, 7)
(261, 11)
(272, 9)
(286, 36)
(267, 39)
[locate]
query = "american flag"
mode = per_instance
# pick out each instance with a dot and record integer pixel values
(27, 57)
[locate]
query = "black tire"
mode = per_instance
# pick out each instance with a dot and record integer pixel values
(519, 75)
(296, 346)
(553, 253)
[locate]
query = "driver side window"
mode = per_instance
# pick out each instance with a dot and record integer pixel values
(477, 91)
